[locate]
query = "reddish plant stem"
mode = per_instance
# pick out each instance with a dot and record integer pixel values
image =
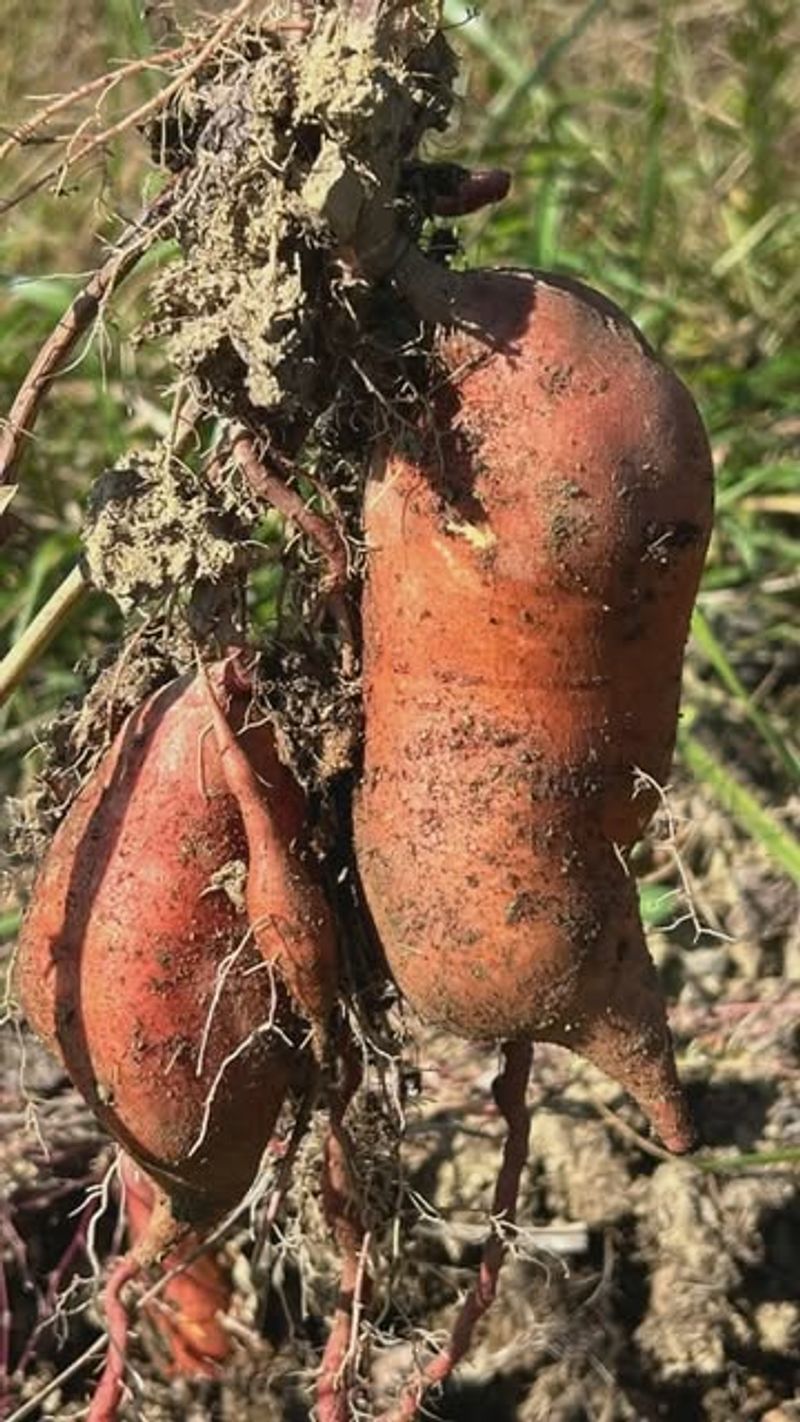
(343, 1212)
(270, 485)
(76, 1245)
(163, 1233)
(5, 1341)
(106, 1400)
(15, 1243)
(509, 1090)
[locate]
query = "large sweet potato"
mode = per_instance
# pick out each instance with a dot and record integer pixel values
(532, 569)
(140, 966)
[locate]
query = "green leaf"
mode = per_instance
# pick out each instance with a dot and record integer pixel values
(477, 31)
(9, 925)
(657, 904)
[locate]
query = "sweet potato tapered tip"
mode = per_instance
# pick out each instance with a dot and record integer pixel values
(288, 913)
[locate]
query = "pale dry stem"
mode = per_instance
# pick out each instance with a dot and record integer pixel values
(102, 84)
(142, 114)
(643, 780)
(41, 631)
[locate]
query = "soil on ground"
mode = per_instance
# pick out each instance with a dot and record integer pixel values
(637, 1286)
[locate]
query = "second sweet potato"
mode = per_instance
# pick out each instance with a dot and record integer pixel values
(137, 963)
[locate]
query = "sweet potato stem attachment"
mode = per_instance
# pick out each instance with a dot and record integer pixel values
(188, 1317)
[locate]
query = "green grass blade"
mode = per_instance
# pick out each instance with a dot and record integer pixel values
(128, 35)
(715, 653)
(537, 76)
(658, 109)
(477, 31)
(775, 476)
(748, 1160)
(742, 248)
(9, 925)
(546, 223)
(777, 841)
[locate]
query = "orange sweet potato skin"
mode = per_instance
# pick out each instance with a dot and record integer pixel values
(187, 1316)
(121, 949)
(530, 581)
